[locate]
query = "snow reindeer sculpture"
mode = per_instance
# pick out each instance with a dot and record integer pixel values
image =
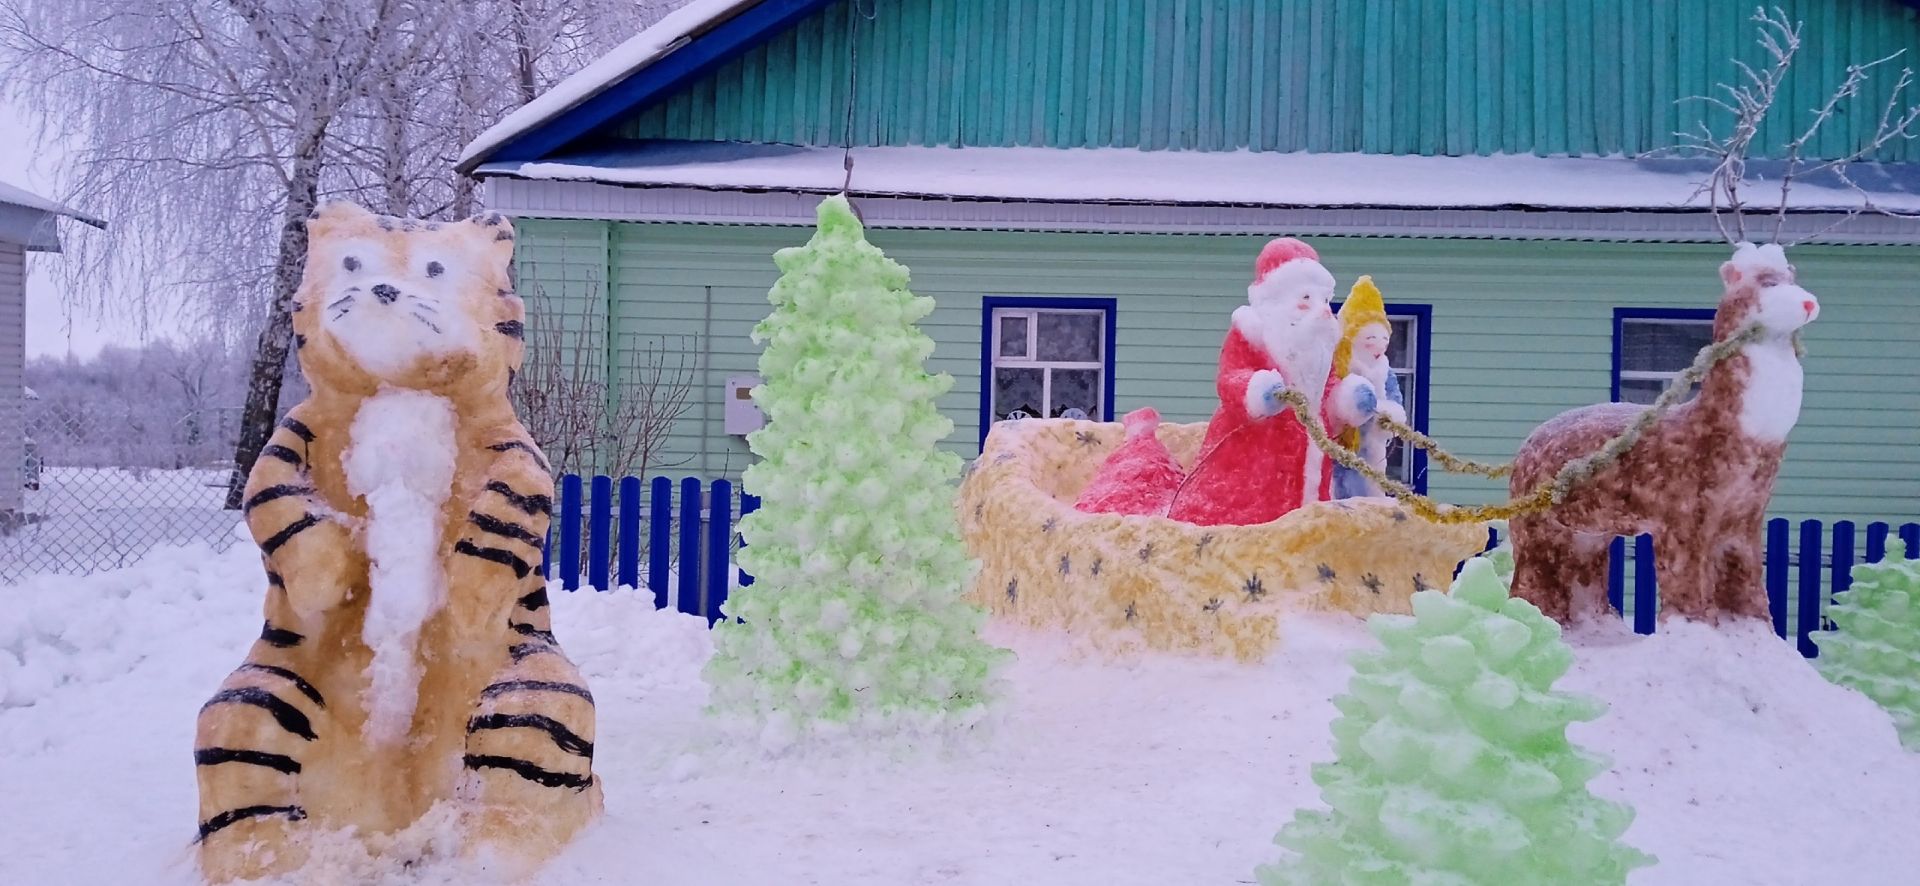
(407, 659)
(1699, 477)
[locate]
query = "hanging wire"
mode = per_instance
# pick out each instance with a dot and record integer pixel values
(853, 86)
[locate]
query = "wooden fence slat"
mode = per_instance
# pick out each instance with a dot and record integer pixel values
(629, 532)
(1617, 576)
(1910, 533)
(1809, 591)
(1778, 534)
(570, 532)
(660, 540)
(546, 551)
(1842, 574)
(689, 558)
(600, 533)
(1876, 542)
(719, 547)
(1646, 598)
(748, 504)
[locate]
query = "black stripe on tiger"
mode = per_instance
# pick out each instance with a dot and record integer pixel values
(531, 505)
(298, 427)
(285, 535)
(232, 817)
(526, 630)
(289, 717)
(528, 771)
(523, 446)
(505, 529)
(522, 650)
(275, 450)
(298, 681)
(563, 738)
(510, 328)
(280, 637)
(217, 756)
(274, 493)
(497, 555)
(534, 601)
(507, 686)
(274, 579)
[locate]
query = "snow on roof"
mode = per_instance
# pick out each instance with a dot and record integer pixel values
(641, 50)
(1247, 178)
(14, 196)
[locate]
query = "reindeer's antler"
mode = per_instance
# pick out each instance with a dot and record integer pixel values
(1749, 103)
(1896, 123)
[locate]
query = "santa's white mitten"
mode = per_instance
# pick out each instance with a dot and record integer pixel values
(1393, 411)
(1263, 394)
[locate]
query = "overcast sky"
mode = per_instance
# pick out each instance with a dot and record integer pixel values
(53, 327)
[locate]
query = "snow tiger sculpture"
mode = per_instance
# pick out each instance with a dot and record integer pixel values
(407, 658)
(1699, 478)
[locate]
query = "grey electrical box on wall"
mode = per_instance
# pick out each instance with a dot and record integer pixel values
(742, 415)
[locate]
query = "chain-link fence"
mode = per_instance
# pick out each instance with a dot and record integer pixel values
(98, 492)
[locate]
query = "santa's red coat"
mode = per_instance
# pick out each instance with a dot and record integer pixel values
(1253, 470)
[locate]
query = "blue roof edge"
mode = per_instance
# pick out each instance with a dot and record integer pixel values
(640, 88)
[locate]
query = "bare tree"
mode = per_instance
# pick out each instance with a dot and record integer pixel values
(592, 408)
(1751, 100)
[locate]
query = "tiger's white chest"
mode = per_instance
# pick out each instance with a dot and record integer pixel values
(401, 461)
(1771, 403)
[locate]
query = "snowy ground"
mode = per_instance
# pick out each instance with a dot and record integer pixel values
(1744, 765)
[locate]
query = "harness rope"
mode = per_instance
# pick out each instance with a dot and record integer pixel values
(1544, 495)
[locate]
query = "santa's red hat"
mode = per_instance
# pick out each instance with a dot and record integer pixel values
(1285, 267)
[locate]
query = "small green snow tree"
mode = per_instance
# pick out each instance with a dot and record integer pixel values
(1876, 645)
(1453, 767)
(855, 621)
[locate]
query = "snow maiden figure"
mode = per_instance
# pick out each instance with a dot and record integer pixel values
(407, 664)
(1365, 334)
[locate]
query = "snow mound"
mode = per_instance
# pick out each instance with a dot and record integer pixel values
(626, 647)
(58, 631)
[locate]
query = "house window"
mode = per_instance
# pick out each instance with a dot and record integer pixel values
(1047, 358)
(1652, 346)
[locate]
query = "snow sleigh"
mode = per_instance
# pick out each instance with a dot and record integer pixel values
(1126, 582)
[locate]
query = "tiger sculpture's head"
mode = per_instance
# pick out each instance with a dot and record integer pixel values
(409, 304)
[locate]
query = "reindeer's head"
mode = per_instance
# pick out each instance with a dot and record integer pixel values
(1761, 289)
(424, 305)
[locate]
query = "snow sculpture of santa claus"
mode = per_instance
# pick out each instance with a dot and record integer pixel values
(1257, 462)
(1365, 334)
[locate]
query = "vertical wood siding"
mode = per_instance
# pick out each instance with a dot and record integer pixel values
(13, 347)
(1433, 77)
(1522, 330)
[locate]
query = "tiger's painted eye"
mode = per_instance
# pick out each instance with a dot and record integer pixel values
(352, 264)
(435, 269)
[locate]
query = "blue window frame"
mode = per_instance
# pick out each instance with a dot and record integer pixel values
(1411, 358)
(1651, 346)
(1043, 356)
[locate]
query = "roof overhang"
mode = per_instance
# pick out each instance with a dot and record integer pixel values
(1542, 196)
(687, 43)
(33, 221)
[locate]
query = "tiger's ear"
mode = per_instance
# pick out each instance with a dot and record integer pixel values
(495, 233)
(333, 214)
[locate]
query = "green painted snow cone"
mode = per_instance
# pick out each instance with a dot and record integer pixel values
(1875, 647)
(855, 621)
(1452, 763)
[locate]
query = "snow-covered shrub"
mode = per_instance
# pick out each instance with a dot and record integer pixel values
(1453, 766)
(1875, 646)
(855, 620)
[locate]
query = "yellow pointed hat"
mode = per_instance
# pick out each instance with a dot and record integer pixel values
(1363, 306)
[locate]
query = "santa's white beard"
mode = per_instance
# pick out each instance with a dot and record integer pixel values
(1301, 348)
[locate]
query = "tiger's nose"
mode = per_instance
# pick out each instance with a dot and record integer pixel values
(386, 293)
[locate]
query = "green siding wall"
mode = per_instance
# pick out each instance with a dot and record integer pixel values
(1522, 330)
(1381, 76)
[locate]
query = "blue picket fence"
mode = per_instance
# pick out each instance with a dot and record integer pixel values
(687, 540)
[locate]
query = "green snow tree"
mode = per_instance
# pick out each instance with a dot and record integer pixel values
(1452, 763)
(1876, 647)
(855, 621)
